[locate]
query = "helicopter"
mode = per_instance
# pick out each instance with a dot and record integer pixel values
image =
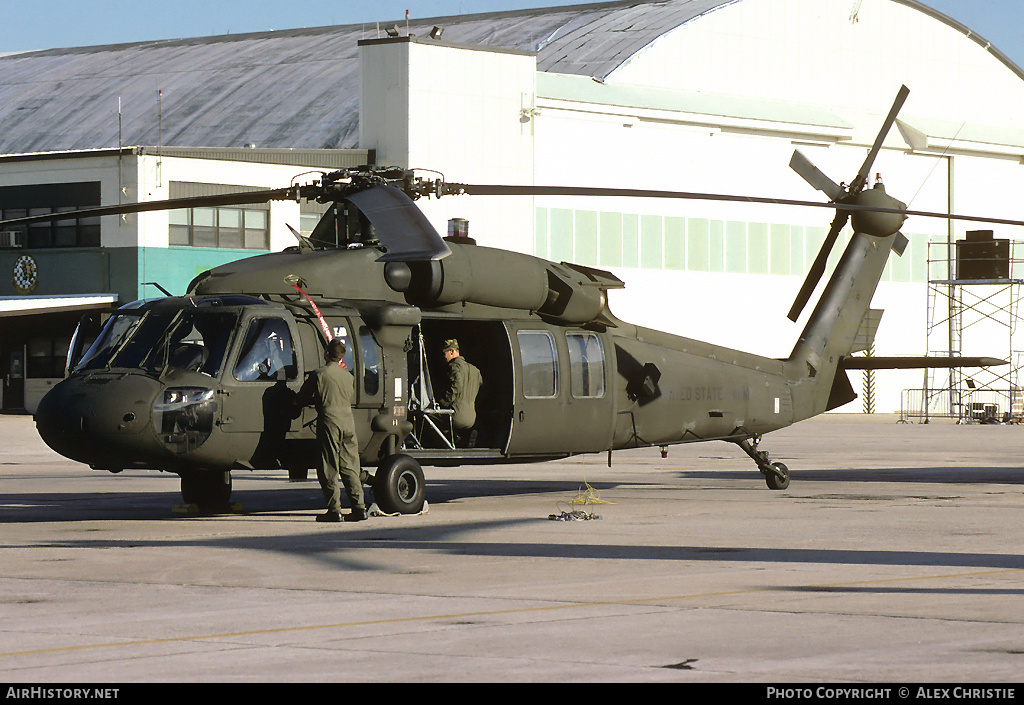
(203, 384)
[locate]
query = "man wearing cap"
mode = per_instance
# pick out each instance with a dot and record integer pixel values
(463, 385)
(331, 390)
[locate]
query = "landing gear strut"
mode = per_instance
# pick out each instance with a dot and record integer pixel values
(776, 475)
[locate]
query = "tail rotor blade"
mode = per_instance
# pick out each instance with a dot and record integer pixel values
(865, 168)
(814, 176)
(817, 269)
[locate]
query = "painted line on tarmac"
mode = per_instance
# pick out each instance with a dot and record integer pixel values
(491, 613)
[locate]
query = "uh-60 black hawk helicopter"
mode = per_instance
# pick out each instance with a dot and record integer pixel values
(202, 384)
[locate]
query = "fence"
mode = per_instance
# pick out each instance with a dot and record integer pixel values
(966, 406)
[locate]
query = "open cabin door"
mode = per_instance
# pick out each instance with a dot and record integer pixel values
(485, 344)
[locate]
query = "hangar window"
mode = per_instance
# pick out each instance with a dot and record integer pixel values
(239, 228)
(44, 199)
(47, 357)
(236, 228)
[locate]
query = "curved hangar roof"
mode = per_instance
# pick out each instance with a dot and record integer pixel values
(297, 88)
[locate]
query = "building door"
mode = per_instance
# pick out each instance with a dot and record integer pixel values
(12, 366)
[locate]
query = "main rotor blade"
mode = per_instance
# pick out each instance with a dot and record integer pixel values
(227, 199)
(814, 176)
(865, 168)
(504, 190)
(817, 269)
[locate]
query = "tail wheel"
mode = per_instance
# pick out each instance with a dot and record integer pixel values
(778, 477)
(398, 485)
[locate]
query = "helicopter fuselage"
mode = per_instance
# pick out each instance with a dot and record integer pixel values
(208, 381)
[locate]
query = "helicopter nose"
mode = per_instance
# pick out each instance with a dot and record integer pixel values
(99, 419)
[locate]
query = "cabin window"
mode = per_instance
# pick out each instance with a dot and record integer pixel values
(540, 363)
(586, 365)
(350, 355)
(266, 351)
(349, 360)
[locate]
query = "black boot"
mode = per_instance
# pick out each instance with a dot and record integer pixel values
(356, 515)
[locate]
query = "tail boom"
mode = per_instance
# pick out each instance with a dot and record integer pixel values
(831, 331)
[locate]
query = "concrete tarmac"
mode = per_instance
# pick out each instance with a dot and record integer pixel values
(895, 556)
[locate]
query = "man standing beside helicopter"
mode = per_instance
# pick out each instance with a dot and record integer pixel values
(464, 382)
(331, 389)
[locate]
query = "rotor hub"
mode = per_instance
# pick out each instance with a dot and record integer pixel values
(873, 222)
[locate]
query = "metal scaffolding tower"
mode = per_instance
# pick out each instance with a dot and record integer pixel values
(974, 308)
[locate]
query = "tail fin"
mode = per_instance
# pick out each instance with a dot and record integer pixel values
(868, 327)
(838, 326)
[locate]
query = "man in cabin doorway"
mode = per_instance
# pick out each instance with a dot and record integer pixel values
(464, 382)
(331, 389)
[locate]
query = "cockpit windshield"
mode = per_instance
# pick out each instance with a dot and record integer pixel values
(162, 338)
(118, 328)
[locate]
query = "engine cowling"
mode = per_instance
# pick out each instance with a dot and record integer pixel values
(482, 275)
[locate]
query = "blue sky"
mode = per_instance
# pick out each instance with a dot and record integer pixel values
(63, 23)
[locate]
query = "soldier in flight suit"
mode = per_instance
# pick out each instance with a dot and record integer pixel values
(332, 391)
(464, 382)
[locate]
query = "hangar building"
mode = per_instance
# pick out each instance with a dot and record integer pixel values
(691, 95)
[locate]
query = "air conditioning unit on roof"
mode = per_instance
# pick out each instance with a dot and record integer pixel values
(10, 239)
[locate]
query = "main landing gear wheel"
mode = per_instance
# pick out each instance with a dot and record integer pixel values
(209, 489)
(398, 485)
(778, 477)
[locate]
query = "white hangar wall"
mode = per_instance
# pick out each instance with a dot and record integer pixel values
(718, 105)
(462, 112)
(814, 51)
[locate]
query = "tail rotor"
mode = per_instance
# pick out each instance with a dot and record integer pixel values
(854, 194)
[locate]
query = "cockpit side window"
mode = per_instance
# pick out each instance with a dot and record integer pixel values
(214, 329)
(367, 371)
(371, 361)
(266, 351)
